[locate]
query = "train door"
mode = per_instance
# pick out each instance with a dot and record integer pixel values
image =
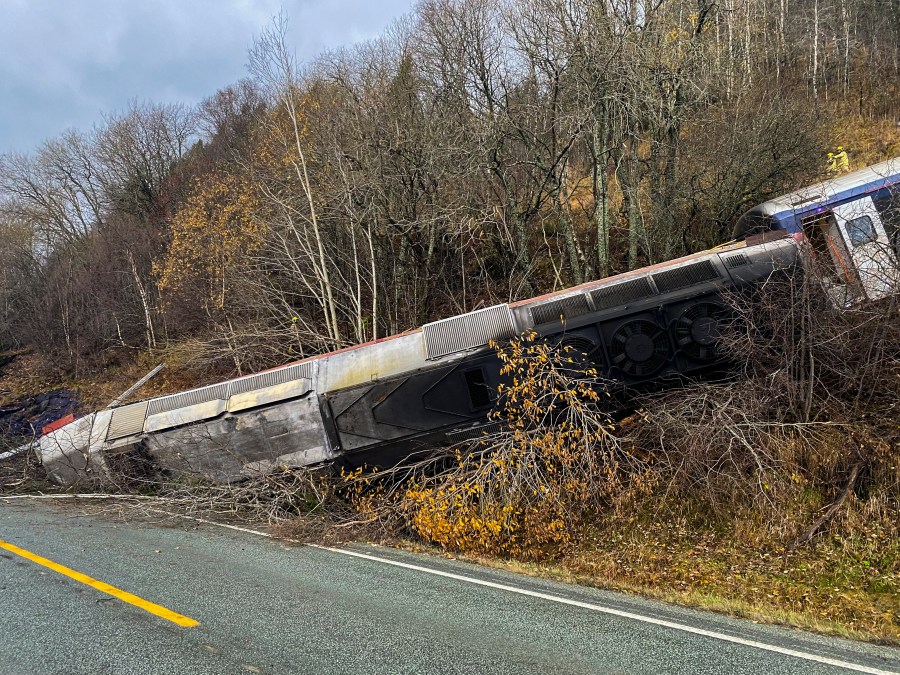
(827, 243)
(869, 248)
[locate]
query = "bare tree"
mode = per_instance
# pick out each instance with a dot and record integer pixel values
(275, 66)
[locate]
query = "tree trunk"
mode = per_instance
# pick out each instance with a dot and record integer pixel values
(560, 205)
(630, 187)
(815, 54)
(145, 303)
(600, 153)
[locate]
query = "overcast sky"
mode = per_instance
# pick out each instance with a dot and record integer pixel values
(65, 62)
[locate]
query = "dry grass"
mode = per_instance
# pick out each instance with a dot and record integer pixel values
(867, 140)
(848, 579)
(27, 374)
(847, 585)
(710, 599)
(30, 373)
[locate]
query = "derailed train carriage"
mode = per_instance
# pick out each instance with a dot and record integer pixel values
(379, 402)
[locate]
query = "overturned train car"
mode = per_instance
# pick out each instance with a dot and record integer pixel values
(379, 402)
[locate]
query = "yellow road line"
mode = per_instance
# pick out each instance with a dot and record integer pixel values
(124, 596)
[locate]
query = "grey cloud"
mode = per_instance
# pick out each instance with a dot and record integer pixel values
(64, 63)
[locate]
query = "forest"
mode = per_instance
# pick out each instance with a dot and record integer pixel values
(481, 152)
(477, 152)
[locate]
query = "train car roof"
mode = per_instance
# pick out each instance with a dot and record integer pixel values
(571, 290)
(417, 330)
(837, 189)
(631, 274)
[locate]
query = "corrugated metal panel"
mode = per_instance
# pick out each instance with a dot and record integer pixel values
(271, 378)
(475, 329)
(127, 420)
(623, 293)
(224, 390)
(192, 397)
(682, 277)
(567, 308)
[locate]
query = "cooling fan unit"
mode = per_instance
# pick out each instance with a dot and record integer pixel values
(581, 350)
(697, 330)
(639, 348)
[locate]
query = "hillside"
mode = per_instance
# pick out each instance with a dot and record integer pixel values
(479, 154)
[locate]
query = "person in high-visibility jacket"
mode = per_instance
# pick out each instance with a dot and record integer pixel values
(831, 164)
(841, 159)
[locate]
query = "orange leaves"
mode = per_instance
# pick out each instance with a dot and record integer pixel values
(224, 218)
(529, 489)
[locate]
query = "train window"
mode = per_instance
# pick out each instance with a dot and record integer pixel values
(753, 222)
(861, 231)
(887, 203)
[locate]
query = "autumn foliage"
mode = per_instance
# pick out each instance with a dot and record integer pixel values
(211, 235)
(527, 488)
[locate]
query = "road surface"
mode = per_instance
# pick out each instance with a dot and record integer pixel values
(91, 594)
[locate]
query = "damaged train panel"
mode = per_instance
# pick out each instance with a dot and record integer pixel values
(379, 402)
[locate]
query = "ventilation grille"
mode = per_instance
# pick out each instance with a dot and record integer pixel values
(567, 308)
(127, 420)
(271, 378)
(225, 390)
(622, 294)
(193, 397)
(581, 350)
(736, 260)
(475, 329)
(682, 277)
(472, 434)
(479, 393)
(697, 330)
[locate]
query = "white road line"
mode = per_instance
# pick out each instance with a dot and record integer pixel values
(566, 601)
(617, 612)
(584, 605)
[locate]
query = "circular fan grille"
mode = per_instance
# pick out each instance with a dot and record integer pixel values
(581, 347)
(639, 348)
(697, 330)
(583, 351)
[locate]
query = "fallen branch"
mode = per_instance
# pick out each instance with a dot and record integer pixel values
(829, 514)
(17, 451)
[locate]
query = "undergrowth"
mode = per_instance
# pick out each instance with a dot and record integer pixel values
(773, 493)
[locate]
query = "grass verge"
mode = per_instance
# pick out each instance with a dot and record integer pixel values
(843, 586)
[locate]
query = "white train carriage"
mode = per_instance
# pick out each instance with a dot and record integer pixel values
(376, 403)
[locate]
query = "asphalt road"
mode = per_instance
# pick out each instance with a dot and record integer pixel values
(264, 607)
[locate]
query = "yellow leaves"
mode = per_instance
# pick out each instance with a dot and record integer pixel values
(223, 219)
(528, 491)
(211, 232)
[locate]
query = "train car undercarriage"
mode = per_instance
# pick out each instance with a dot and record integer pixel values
(378, 403)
